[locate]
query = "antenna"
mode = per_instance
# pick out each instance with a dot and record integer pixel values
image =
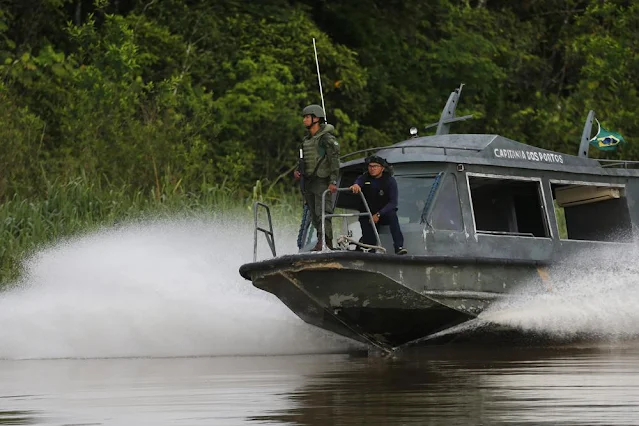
(585, 134)
(319, 80)
(448, 114)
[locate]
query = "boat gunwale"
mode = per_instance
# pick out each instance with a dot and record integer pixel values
(314, 258)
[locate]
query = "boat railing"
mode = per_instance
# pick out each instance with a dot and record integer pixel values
(368, 213)
(624, 164)
(268, 233)
(403, 148)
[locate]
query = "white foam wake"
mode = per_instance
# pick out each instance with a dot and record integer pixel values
(594, 294)
(158, 289)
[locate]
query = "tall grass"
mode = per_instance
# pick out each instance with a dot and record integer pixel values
(79, 206)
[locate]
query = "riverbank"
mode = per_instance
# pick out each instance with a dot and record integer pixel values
(79, 206)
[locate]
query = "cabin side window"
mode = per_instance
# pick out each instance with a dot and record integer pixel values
(508, 206)
(591, 212)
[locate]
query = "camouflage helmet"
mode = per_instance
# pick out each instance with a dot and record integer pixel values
(315, 110)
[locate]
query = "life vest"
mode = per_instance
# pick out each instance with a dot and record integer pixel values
(315, 152)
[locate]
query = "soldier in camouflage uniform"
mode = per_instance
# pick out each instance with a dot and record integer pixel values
(321, 169)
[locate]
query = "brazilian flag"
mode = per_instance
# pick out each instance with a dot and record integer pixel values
(605, 140)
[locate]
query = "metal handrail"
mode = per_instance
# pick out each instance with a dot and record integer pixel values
(404, 148)
(616, 163)
(270, 237)
(610, 163)
(324, 216)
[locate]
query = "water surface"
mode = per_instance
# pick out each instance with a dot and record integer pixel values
(444, 385)
(151, 324)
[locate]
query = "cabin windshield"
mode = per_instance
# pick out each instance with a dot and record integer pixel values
(413, 194)
(446, 212)
(430, 199)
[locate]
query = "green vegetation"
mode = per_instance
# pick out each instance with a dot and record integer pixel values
(113, 108)
(560, 214)
(80, 206)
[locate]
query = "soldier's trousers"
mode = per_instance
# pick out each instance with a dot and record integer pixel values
(313, 196)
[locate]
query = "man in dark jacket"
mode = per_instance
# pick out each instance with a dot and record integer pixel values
(321, 169)
(380, 190)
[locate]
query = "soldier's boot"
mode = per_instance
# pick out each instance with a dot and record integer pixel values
(318, 246)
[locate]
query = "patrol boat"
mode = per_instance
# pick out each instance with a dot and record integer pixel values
(481, 215)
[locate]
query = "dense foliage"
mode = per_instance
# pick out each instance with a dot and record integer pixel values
(178, 95)
(166, 97)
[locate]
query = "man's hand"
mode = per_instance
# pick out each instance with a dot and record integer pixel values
(376, 218)
(297, 174)
(332, 188)
(355, 188)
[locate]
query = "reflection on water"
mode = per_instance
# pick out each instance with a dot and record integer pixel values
(471, 386)
(440, 385)
(16, 418)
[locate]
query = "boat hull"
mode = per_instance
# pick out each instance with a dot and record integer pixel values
(384, 300)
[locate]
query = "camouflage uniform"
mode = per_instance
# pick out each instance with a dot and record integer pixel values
(321, 166)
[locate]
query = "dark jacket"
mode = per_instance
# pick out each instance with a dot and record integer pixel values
(380, 193)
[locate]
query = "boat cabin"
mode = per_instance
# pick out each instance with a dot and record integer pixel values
(481, 195)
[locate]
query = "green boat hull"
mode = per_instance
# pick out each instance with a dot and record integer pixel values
(387, 301)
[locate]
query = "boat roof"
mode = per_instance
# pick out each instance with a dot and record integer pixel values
(492, 150)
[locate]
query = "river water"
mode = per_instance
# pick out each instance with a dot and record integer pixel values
(151, 324)
(452, 385)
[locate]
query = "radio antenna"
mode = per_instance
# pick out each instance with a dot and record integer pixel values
(319, 80)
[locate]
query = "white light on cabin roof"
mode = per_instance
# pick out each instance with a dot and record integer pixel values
(413, 131)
